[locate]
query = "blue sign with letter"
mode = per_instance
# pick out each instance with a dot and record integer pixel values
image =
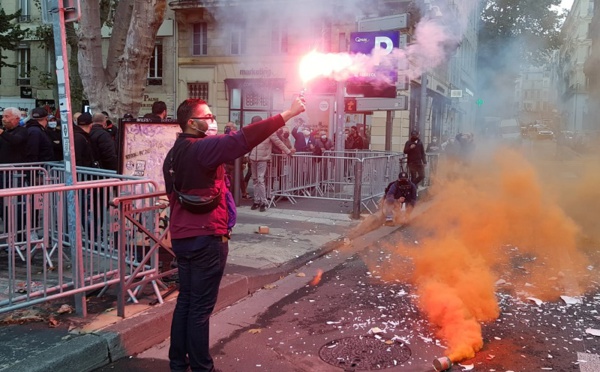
(381, 80)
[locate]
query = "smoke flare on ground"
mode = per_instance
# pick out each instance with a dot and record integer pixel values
(501, 217)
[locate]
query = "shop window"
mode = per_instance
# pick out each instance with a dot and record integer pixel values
(198, 90)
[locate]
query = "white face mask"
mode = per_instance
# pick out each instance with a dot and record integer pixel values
(52, 124)
(213, 129)
(323, 137)
(306, 133)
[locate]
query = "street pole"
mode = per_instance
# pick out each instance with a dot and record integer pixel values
(57, 14)
(423, 104)
(389, 120)
(339, 134)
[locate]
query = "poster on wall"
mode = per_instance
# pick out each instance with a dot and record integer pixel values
(143, 146)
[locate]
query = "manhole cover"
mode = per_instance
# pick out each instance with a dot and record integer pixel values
(363, 353)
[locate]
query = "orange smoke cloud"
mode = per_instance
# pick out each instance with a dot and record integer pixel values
(502, 217)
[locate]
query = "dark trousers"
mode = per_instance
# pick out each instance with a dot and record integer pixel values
(201, 262)
(417, 172)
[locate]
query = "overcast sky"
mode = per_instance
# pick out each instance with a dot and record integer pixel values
(566, 4)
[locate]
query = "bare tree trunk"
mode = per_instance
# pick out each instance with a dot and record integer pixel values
(118, 88)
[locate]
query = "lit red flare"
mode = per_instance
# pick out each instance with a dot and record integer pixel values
(316, 64)
(317, 278)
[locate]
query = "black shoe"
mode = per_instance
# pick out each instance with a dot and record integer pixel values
(263, 207)
(255, 206)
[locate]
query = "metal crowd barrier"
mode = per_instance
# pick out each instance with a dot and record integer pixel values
(40, 261)
(354, 176)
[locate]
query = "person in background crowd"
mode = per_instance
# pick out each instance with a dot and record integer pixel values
(159, 108)
(75, 116)
(354, 141)
(13, 138)
(194, 166)
(13, 149)
(53, 130)
(416, 158)
(467, 146)
(303, 140)
(259, 158)
(84, 153)
(433, 149)
(323, 144)
(111, 128)
(230, 126)
(39, 146)
(105, 152)
(398, 192)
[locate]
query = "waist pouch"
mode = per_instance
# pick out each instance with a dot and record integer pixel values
(198, 204)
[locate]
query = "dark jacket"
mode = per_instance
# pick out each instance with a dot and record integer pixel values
(415, 155)
(55, 136)
(105, 151)
(322, 146)
(39, 146)
(84, 153)
(300, 143)
(13, 146)
(195, 165)
(403, 188)
(354, 142)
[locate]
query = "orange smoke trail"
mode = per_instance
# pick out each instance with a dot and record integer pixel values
(500, 217)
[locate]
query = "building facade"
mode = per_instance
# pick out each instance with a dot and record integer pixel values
(574, 52)
(243, 59)
(33, 83)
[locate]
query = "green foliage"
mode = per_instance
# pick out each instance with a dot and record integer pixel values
(528, 29)
(10, 34)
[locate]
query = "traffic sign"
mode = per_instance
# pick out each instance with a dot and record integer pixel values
(380, 104)
(349, 104)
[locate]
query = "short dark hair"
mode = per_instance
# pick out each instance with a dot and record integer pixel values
(184, 111)
(158, 107)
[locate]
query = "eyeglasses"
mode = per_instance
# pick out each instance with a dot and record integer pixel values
(208, 118)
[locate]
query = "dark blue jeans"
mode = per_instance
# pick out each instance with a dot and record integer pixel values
(201, 262)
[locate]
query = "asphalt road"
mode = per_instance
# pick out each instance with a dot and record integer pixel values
(328, 326)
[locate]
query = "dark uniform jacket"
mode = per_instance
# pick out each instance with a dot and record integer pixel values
(39, 146)
(84, 153)
(105, 151)
(13, 146)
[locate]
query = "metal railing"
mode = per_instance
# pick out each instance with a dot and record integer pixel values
(357, 177)
(39, 259)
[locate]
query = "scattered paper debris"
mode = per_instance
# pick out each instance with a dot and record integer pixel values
(269, 286)
(537, 301)
(593, 332)
(467, 367)
(254, 331)
(65, 309)
(500, 282)
(301, 275)
(375, 330)
(571, 300)
(490, 357)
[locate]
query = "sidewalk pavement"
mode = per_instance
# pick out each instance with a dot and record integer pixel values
(298, 233)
